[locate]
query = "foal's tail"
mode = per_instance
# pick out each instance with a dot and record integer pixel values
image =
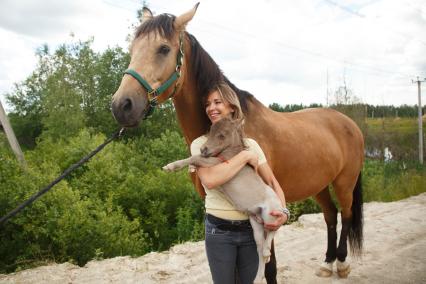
(355, 231)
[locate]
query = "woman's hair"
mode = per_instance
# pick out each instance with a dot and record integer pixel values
(228, 95)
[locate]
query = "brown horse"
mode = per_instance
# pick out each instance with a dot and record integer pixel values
(307, 150)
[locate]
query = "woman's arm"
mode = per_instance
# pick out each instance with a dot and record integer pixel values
(268, 177)
(219, 174)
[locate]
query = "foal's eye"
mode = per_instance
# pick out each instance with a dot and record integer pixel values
(164, 50)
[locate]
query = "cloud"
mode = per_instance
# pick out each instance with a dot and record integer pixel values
(278, 50)
(42, 18)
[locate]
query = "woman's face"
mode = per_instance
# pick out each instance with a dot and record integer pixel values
(216, 108)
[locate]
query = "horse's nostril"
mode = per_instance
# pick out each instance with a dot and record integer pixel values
(203, 150)
(127, 105)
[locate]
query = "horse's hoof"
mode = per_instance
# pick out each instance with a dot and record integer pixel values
(325, 270)
(343, 269)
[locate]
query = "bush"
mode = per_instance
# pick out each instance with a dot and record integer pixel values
(120, 203)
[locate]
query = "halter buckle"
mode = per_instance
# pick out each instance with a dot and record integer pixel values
(152, 95)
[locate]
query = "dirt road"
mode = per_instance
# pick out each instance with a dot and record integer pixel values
(395, 252)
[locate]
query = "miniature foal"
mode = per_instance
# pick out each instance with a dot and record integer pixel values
(246, 190)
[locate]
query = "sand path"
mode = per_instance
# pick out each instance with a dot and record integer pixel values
(395, 252)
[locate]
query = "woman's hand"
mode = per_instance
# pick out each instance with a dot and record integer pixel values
(281, 220)
(252, 159)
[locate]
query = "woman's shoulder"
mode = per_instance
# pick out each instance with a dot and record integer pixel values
(250, 141)
(200, 140)
(197, 143)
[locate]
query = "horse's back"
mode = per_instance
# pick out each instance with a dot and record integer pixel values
(307, 149)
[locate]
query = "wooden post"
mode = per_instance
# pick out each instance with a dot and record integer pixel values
(10, 135)
(420, 122)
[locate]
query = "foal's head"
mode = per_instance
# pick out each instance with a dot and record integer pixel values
(224, 135)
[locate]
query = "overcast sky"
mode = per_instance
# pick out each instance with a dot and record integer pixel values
(281, 50)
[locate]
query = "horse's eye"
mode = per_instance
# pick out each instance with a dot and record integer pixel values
(164, 50)
(221, 136)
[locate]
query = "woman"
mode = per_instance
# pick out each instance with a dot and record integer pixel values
(230, 245)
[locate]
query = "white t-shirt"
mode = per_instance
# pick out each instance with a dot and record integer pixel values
(216, 202)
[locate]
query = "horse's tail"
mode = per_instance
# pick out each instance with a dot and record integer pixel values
(355, 231)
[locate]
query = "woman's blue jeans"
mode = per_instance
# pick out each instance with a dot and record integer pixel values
(232, 254)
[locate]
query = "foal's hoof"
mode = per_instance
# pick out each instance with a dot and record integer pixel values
(325, 270)
(266, 253)
(343, 269)
(168, 168)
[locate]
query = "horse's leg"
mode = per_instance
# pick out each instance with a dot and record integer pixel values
(330, 215)
(349, 194)
(271, 267)
(259, 238)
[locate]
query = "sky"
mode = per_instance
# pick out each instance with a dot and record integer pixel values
(282, 51)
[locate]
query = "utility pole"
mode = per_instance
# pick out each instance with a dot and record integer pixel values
(419, 82)
(10, 135)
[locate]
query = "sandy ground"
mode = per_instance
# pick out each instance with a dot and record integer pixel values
(395, 252)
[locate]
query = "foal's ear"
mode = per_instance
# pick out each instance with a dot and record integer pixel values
(182, 20)
(239, 123)
(146, 15)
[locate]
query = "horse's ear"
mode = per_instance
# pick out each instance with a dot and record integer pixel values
(182, 20)
(146, 15)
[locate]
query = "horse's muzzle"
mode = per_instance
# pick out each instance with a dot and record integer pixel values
(125, 112)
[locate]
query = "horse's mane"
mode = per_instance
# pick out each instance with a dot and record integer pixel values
(208, 74)
(206, 71)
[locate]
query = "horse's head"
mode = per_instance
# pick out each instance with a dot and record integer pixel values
(226, 134)
(155, 70)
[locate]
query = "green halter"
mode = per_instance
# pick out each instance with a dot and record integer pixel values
(153, 94)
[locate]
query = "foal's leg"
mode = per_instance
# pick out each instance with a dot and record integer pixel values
(267, 245)
(330, 215)
(196, 160)
(258, 234)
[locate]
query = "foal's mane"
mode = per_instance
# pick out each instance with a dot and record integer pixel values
(205, 70)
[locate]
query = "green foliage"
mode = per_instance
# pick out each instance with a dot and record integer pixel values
(307, 206)
(392, 181)
(70, 89)
(291, 108)
(399, 135)
(120, 203)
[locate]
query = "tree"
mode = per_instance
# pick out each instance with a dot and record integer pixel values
(70, 89)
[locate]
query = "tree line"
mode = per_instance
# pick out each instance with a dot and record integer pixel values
(371, 111)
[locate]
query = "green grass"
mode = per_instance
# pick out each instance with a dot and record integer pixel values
(392, 181)
(396, 125)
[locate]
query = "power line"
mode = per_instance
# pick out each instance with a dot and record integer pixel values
(311, 53)
(344, 8)
(350, 11)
